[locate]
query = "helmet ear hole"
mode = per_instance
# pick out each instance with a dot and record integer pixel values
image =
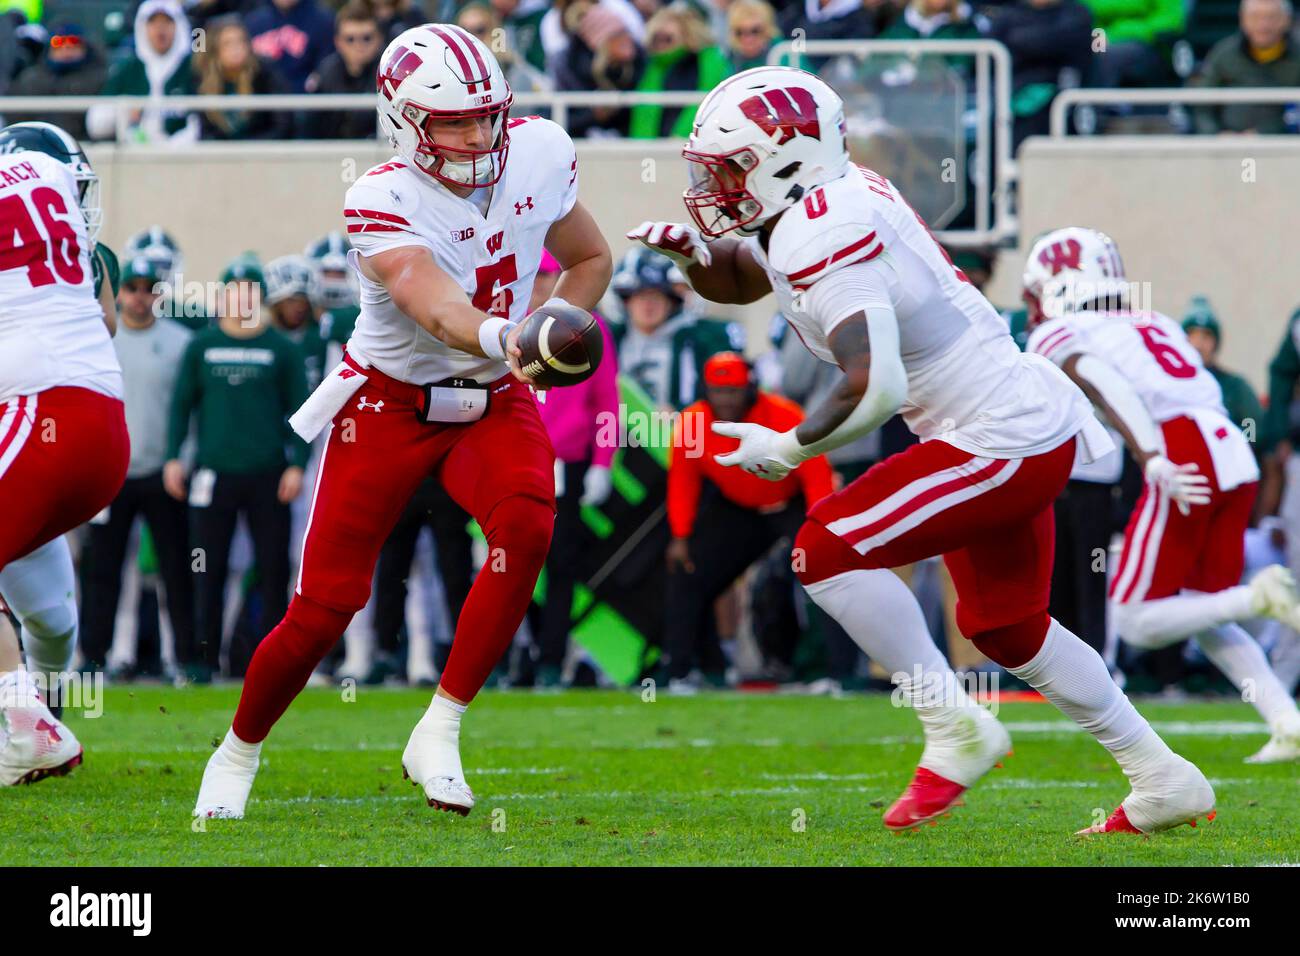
(785, 172)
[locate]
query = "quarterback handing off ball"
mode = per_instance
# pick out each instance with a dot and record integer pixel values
(561, 344)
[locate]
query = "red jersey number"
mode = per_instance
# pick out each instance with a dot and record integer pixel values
(1166, 356)
(23, 247)
(492, 294)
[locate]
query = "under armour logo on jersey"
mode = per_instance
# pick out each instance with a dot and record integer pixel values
(363, 405)
(494, 243)
(1061, 255)
(46, 727)
(783, 113)
(521, 206)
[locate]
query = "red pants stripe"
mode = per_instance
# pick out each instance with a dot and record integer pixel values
(1166, 551)
(990, 518)
(63, 458)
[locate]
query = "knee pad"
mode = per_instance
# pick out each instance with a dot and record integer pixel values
(313, 628)
(49, 635)
(1007, 644)
(819, 555)
(519, 529)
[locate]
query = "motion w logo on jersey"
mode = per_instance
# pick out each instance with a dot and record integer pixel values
(494, 243)
(784, 113)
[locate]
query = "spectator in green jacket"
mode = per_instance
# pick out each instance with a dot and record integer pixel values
(160, 67)
(683, 56)
(1243, 405)
(933, 20)
(1283, 377)
(1261, 54)
(239, 381)
(1134, 33)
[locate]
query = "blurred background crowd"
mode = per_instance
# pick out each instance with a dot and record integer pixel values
(662, 566)
(219, 47)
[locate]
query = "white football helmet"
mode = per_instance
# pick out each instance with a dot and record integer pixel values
(762, 140)
(440, 71)
(1070, 268)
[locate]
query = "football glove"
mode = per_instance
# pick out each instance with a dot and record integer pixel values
(678, 241)
(763, 452)
(1183, 483)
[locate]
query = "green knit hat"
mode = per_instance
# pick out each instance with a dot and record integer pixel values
(1200, 315)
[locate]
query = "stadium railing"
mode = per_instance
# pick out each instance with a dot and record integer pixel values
(1069, 100)
(995, 169)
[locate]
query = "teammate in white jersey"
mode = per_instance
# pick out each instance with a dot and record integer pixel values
(63, 439)
(447, 237)
(862, 281)
(1184, 549)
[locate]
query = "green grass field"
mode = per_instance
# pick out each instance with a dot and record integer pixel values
(605, 778)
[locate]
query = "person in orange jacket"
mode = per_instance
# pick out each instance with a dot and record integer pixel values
(723, 519)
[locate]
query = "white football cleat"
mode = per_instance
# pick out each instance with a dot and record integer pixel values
(38, 745)
(1176, 795)
(1284, 744)
(1273, 594)
(432, 760)
(227, 780)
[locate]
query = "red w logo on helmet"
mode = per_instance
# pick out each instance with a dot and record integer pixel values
(403, 63)
(1061, 255)
(785, 112)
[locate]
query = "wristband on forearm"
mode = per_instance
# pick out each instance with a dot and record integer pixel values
(492, 337)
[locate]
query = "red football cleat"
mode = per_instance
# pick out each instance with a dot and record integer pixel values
(1118, 822)
(926, 798)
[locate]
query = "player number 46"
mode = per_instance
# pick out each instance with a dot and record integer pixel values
(23, 246)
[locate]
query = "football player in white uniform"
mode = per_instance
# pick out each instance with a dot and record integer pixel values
(63, 439)
(865, 285)
(447, 237)
(1184, 549)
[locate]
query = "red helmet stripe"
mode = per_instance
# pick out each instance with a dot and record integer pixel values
(473, 49)
(454, 44)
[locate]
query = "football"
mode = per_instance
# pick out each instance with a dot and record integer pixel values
(561, 344)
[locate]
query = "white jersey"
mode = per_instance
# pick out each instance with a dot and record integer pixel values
(967, 383)
(494, 256)
(52, 328)
(1151, 352)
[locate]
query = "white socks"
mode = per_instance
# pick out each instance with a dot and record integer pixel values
(1165, 621)
(1242, 661)
(240, 751)
(1072, 676)
(882, 616)
(438, 733)
(40, 588)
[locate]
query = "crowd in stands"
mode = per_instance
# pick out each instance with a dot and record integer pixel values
(333, 46)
